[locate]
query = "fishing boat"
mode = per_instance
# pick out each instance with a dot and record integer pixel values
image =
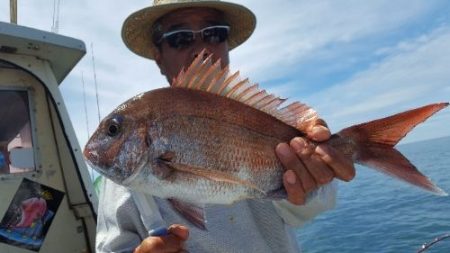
(47, 202)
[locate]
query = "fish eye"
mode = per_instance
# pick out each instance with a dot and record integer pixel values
(114, 126)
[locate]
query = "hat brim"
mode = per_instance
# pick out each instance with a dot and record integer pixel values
(137, 34)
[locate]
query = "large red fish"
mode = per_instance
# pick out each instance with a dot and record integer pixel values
(210, 138)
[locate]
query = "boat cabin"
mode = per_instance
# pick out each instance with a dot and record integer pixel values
(47, 200)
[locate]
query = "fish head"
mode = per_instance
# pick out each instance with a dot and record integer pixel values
(118, 148)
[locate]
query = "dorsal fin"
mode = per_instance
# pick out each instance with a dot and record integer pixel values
(210, 77)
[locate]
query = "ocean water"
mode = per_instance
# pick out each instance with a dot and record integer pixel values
(376, 213)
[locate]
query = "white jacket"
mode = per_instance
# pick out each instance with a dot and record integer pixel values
(246, 226)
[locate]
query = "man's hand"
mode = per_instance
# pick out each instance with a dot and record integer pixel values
(173, 242)
(308, 167)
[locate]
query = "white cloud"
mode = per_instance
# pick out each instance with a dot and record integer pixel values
(291, 32)
(414, 74)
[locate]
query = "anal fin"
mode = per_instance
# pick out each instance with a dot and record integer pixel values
(191, 212)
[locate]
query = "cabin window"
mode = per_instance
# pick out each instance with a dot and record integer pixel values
(16, 145)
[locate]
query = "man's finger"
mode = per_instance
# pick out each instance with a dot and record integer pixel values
(290, 160)
(179, 230)
(342, 166)
(161, 244)
(321, 173)
(317, 168)
(293, 187)
(300, 146)
(319, 133)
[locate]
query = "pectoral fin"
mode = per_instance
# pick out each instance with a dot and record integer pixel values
(213, 175)
(162, 168)
(191, 212)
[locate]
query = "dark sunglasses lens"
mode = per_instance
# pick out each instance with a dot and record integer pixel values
(215, 34)
(180, 39)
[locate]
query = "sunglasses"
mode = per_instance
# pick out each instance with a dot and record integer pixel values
(184, 38)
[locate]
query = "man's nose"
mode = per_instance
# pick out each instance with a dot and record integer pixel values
(200, 52)
(200, 48)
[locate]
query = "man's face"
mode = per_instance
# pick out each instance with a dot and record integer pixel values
(172, 60)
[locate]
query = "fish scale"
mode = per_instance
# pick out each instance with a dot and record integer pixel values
(244, 153)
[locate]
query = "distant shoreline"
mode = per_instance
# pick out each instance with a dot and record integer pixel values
(426, 140)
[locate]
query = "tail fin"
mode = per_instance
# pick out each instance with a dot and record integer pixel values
(375, 141)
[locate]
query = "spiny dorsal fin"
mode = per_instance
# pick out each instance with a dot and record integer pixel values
(206, 76)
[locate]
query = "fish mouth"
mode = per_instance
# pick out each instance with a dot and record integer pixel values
(92, 158)
(112, 172)
(116, 169)
(89, 155)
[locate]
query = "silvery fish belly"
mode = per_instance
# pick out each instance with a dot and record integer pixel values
(211, 138)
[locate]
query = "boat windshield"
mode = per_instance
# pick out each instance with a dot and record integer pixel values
(16, 145)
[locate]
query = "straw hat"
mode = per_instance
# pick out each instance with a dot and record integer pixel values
(136, 30)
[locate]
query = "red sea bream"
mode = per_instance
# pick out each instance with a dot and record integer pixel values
(210, 138)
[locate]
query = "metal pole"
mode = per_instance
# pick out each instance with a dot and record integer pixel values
(13, 9)
(95, 82)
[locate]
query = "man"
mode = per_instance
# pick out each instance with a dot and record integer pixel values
(173, 33)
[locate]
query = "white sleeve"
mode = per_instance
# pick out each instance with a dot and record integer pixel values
(119, 227)
(318, 201)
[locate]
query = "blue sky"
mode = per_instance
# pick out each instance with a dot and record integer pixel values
(351, 60)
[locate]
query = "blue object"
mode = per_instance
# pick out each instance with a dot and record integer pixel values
(2, 160)
(161, 231)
